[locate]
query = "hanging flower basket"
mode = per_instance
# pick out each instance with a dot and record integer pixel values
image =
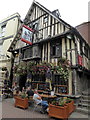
(20, 69)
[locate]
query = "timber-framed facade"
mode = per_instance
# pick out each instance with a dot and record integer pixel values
(52, 39)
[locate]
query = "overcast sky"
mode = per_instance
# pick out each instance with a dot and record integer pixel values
(73, 12)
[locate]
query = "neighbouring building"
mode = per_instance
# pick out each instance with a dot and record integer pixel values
(84, 30)
(52, 38)
(8, 30)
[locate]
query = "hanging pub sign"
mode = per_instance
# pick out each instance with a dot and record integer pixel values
(80, 60)
(27, 34)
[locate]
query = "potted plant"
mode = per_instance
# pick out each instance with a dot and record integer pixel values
(21, 101)
(61, 108)
(58, 109)
(70, 104)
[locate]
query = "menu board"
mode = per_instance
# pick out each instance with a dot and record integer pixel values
(41, 86)
(34, 85)
(62, 89)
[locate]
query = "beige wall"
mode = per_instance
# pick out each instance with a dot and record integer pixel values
(12, 23)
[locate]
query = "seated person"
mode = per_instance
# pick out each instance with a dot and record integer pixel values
(29, 92)
(37, 98)
(23, 90)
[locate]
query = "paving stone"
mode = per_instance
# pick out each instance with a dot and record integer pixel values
(9, 111)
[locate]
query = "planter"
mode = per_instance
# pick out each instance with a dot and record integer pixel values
(71, 107)
(58, 111)
(19, 102)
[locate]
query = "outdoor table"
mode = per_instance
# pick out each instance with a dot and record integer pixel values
(49, 98)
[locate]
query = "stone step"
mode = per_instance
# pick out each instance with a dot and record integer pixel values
(82, 110)
(85, 101)
(86, 93)
(84, 97)
(84, 105)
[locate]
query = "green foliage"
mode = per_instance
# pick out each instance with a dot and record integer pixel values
(68, 100)
(21, 68)
(4, 68)
(62, 101)
(30, 66)
(41, 68)
(23, 95)
(62, 68)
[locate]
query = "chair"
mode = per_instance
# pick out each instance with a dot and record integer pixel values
(38, 107)
(30, 100)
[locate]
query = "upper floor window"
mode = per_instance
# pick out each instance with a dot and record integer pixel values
(27, 53)
(35, 25)
(45, 19)
(56, 49)
(3, 29)
(86, 51)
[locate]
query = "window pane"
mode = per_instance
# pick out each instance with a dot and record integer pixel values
(3, 29)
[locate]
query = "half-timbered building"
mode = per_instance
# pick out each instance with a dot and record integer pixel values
(52, 39)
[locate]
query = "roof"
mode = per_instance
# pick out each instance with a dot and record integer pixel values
(44, 9)
(72, 29)
(48, 11)
(9, 17)
(83, 24)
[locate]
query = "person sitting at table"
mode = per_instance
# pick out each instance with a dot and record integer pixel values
(38, 100)
(23, 90)
(29, 92)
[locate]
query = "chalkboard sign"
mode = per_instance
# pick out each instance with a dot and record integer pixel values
(62, 89)
(41, 86)
(47, 85)
(34, 85)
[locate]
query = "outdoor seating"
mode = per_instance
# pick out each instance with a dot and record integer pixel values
(37, 107)
(30, 101)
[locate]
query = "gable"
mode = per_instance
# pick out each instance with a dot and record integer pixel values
(44, 22)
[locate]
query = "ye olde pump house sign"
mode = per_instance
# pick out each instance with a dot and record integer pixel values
(27, 34)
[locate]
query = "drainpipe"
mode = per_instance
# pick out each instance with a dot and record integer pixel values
(75, 70)
(11, 72)
(75, 81)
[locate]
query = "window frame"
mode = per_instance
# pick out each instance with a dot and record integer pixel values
(3, 30)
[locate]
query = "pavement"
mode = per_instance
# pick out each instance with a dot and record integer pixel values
(9, 111)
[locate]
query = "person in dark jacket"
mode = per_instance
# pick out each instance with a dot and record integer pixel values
(29, 92)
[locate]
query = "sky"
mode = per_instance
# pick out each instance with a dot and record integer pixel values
(74, 12)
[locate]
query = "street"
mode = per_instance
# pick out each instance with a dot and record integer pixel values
(9, 111)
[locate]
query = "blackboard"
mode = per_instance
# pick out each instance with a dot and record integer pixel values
(34, 85)
(62, 89)
(41, 86)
